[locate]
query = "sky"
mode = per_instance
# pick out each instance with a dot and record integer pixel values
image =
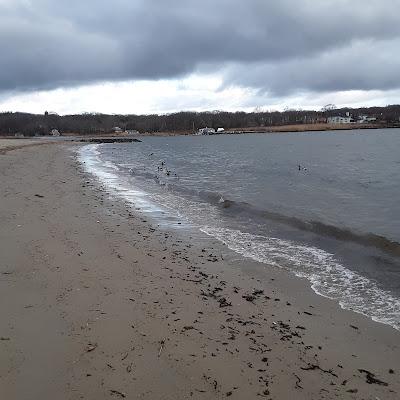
(162, 56)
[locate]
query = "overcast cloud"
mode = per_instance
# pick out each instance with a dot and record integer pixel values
(280, 48)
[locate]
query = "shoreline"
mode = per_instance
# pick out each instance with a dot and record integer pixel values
(368, 298)
(130, 310)
(321, 127)
(299, 128)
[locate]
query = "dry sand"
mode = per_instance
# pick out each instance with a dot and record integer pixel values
(98, 302)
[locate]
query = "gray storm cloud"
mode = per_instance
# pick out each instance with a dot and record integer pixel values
(363, 65)
(275, 46)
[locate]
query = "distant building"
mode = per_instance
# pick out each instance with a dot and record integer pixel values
(340, 120)
(318, 120)
(206, 131)
(19, 135)
(220, 130)
(132, 132)
(117, 129)
(365, 119)
(55, 132)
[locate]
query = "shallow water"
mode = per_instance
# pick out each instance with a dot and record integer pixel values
(334, 221)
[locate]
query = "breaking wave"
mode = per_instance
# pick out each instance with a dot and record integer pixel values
(369, 239)
(328, 277)
(380, 242)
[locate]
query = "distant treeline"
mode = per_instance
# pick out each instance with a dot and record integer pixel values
(85, 124)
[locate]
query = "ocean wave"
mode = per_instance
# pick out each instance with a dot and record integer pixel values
(228, 205)
(327, 276)
(344, 234)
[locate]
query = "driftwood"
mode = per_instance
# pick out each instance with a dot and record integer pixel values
(371, 379)
(118, 393)
(162, 344)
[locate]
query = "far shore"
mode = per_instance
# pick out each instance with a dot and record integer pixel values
(315, 127)
(320, 127)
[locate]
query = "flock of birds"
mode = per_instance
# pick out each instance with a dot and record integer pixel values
(162, 169)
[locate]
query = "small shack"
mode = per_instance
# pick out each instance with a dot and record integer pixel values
(117, 129)
(132, 132)
(206, 131)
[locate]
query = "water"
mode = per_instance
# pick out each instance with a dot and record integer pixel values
(334, 221)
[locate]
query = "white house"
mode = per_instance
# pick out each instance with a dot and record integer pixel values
(220, 130)
(340, 120)
(365, 119)
(117, 129)
(132, 132)
(55, 132)
(205, 131)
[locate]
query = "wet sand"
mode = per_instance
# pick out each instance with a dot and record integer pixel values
(98, 302)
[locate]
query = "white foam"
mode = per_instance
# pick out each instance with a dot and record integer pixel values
(328, 277)
(107, 174)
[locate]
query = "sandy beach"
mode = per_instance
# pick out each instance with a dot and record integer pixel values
(15, 144)
(98, 302)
